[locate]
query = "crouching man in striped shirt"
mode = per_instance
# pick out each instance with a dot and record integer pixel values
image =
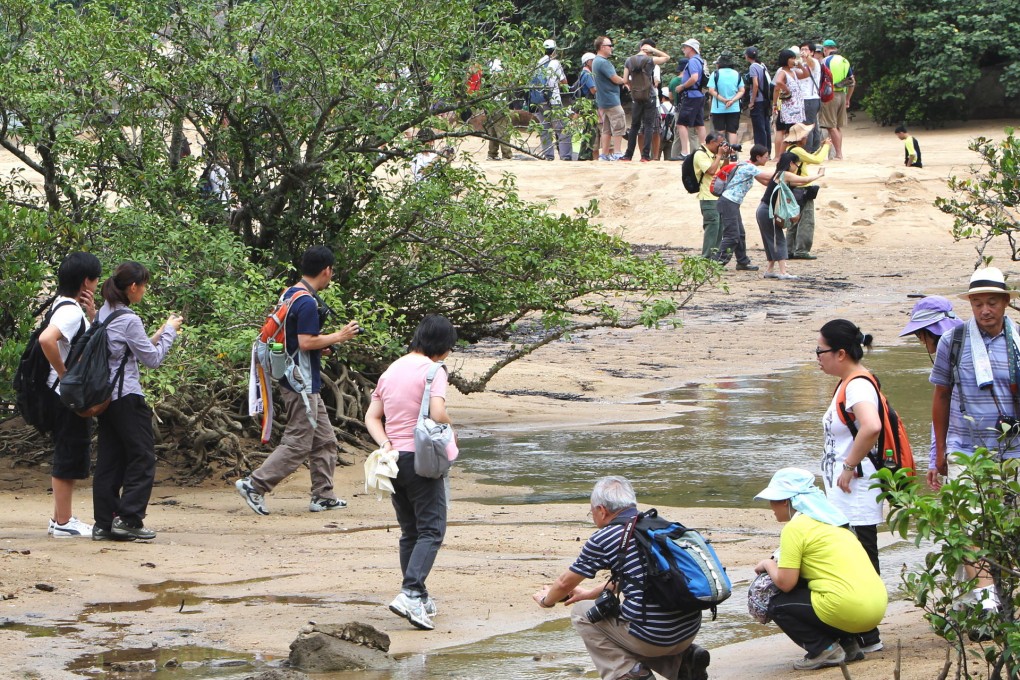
(627, 639)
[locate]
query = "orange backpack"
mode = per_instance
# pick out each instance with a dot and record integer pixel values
(892, 437)
(275, 327)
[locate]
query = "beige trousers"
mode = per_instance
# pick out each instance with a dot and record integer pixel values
(301, 442)
(615, 651)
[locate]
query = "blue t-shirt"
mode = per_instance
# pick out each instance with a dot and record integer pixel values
(585, 81)
(607, 94)
(303, 319)
(740, 182)
(695, 65)
(726, 82)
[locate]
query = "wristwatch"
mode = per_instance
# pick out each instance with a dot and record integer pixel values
(848, 468)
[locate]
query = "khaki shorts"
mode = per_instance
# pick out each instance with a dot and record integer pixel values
(613, 121)
(833, 113)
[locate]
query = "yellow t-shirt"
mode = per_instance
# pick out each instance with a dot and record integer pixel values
(702, 162)
(846, 593)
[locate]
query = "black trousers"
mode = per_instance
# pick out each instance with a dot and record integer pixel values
(420, 504)
(794, 614)
(642, 114)
(125, 462)
(868, 537)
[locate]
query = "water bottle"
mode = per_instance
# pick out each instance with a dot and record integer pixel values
(890, 459)
(277, 360)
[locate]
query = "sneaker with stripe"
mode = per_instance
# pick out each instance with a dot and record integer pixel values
(72, 528)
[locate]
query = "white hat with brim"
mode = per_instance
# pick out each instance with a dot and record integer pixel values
(586, 57)
(988, 280)
(693, 44)
(786, 484)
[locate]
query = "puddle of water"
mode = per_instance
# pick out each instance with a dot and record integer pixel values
(719, 455)
(177, 594)
(31, 630)
(185, 663)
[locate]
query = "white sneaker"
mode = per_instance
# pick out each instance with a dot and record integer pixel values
(873, 647)
(73, 528)
(833, 655)
(412, 609)
(253, 498)
(49, 529)
(430, 607)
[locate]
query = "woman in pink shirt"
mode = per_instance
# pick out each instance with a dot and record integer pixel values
(420, 502)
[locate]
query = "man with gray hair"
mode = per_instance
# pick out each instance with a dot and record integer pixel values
(627, 640)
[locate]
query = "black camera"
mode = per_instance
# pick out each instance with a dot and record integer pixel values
(1008, 428)
(607, 606)
(736, 147)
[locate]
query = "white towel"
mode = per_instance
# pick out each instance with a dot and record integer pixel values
(979, 353)
(380, 470)
(254, 394)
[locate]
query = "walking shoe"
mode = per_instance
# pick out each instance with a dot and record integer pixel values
(833, 655)
(747, 267)
(254, 499)
(625, 159)
(492, 158)
(873, 647)
(770, 275)
(412, 609)
(637, 672)
(49, 529)
(606, 157)
(320, 504)
(72, 528)
(852, 649)
(430, 607)
(788, 277)
(125, 531)
(616, 156)
(646, 160)
(694, 664)
(803, 256)
(101, 534)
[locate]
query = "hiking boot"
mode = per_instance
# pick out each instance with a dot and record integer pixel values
(129, 532)
(321, 504)
(430, 607)
(833, 655)
(253, 498)
(72, 528)
(637, 672)
(852, 650)
(412, 609)
(747, 267)
(694, 664)
(101, 534)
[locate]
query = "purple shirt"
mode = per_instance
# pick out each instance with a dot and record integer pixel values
(126, 331)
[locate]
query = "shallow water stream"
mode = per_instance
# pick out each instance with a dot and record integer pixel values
(720, 454)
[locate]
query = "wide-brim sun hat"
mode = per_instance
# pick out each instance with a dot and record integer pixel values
(934, 314)
(693, 44)
(586, 57)
(988, 280)
(786, 484)
(799, 131)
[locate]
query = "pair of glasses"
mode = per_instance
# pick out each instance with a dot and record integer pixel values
(607, 44)
(820, 352)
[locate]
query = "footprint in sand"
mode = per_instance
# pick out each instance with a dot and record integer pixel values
(836, 205)
(863, 223)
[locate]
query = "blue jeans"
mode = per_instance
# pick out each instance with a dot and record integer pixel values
(420, 504)
(553, 125)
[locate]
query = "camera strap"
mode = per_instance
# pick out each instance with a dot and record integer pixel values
(621, 554)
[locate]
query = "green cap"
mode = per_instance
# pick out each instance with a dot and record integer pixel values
(829, 43)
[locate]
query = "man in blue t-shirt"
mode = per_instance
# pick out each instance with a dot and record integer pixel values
(309, 435)
(642, 636)
(612, 119)
(691, 108)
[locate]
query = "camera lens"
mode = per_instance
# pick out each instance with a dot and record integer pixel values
(737, 147)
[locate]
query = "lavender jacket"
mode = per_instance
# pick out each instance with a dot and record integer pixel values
(126, 331)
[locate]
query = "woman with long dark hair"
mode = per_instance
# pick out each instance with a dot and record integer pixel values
(787, 101)
(126, 457)
(773, 236)
(847, 469)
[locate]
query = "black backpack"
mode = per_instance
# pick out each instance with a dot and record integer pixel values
(31, 376)
(86, 388)
(688, 175)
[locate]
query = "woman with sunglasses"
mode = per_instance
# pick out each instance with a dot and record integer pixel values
(846, 468)
(931, 318)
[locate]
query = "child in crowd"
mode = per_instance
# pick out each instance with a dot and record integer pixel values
(912, 152)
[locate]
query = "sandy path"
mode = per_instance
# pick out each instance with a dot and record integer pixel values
(878, 239)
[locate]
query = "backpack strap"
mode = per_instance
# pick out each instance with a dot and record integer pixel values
(119, 375)
(423, 412)
(955, 351)
(848, 419)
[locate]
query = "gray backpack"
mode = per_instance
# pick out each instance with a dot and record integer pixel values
(431, 439)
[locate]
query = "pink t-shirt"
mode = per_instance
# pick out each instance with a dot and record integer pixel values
(400, 389)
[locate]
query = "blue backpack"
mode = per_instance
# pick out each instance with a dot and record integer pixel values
(538, 87)
(682, 571)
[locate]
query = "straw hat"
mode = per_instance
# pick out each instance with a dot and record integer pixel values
(799, 131)
(988, 280)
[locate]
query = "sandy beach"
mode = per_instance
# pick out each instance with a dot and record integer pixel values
(235, 581)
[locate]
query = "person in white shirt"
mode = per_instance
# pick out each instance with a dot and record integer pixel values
(812, 99)
(73, 310)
